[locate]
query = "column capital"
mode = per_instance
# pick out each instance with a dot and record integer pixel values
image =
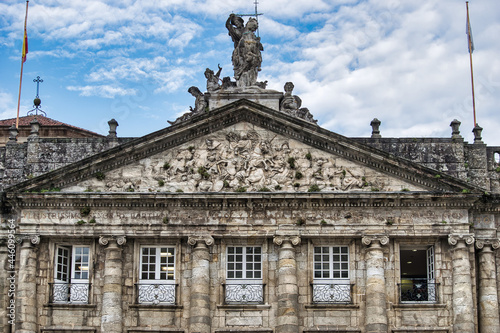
(382, 239)
(453, 239)
(207, 239)
(30, 239)
(104, 240)
(294, 240)
(493, 242)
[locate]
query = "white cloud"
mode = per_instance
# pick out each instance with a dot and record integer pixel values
(105, 91)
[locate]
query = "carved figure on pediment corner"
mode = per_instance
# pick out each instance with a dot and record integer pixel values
(213, 80)
(201, 100)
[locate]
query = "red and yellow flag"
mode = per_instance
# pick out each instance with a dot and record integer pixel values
(25, 44)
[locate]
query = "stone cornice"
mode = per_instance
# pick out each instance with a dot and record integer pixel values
(248, 200)
(244, 111)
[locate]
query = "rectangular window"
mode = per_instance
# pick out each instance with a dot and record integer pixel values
(331, 282)
(244, 275)
(417, 275)
(157, 275)
(71, 274)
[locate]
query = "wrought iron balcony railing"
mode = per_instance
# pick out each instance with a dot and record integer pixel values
(156, 293)
(418, 290)
(331, 293)
(77, 293)
(244, 293)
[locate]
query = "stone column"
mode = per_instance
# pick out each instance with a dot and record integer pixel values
(489, 321)
(26, 309)
(288, 290)
(200, 320)
(111, 308)
(463, 305)
(376, 307)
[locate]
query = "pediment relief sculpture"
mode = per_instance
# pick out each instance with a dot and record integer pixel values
(243, 159)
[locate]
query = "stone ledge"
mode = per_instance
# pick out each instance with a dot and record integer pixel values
(243, 306)
(246, 330)
(414, 306)
(69, 306)
(331, 306)
(421, 329)
(328, 329)
(60, 329)
(155, 330)
(152, 307)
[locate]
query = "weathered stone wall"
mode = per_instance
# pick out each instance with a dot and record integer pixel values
(21, 161)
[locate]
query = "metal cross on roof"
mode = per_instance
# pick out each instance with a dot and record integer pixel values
(37, 101)
(38, 81)
(256, 14)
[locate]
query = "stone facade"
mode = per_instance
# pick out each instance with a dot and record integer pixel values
(248, 219)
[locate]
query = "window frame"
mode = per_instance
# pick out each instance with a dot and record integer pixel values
(157, 291)
(244, 290)
(69, 287)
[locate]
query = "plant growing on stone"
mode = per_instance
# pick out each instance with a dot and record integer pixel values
(85, 211)
(166, 166)
(314, 188)
(323, 222)
(263, 189)
(277, 187)
(309, 156)
(80, 222)
(298, 175)
(291, 162)
(497, 169)
(301, 221)
(375, 189)
(241, 189)
(191, 148)
(225, 184)
(99, 175)
(296, 185)
(203, 172)
(130, 189)
(161, 182)
(92, 220)
(437, 176)
(166, 220)
(179, 190)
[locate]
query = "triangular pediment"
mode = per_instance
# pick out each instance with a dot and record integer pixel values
(243, 146)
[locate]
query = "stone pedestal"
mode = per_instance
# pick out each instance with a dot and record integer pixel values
(269, 98)
(111, 311)
(463, 305)
(489, 321)
(376, 308)
(26, 309)
(200, 319)
(288, 290)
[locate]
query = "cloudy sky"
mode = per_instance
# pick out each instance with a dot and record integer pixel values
(404, 62)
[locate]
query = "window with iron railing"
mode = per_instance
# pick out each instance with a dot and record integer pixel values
(331, 283)
(157, 276)
(244, 275)
(71, 275)
(418, 282)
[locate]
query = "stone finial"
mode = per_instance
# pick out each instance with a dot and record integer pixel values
(375, 124)
(455, 129)
(477, 133)
(13, 132)
(113, 124)
(35, 128)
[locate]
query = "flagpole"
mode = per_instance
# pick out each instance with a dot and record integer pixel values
(469, 40)
(22, 65)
